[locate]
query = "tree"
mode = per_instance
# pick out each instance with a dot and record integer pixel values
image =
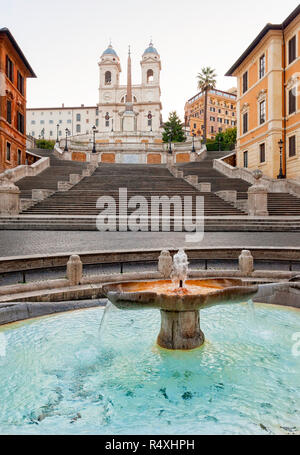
(225, 141)
(174, 129)
(206, 81)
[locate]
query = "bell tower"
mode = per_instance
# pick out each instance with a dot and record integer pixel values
(110, 69)
(151, 67)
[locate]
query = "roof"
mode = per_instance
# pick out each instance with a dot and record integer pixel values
(18, 50)
(260, 36)
(110, 51)
(215, 92)
(150, 49)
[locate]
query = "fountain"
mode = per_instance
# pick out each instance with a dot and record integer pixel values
(179, 300)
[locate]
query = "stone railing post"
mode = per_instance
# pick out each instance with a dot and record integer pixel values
(9, 196)
(74, 270)
(246, 262)
(258, 197)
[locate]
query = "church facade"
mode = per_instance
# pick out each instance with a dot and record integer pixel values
(145, 97)
(124, 113)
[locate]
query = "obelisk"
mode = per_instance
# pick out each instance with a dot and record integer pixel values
(128, 115)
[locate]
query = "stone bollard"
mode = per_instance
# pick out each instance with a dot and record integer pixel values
(204, 187)
(258, 197)
(192, 179)
(246, 262)
(9, 196)
(74, 270)
(165, 263)
(74, 179)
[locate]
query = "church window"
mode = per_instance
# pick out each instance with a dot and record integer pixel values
(150, 75)
(107, 78)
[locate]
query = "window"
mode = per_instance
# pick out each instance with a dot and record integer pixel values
(245, 82)
(8, 148)
(87, 120)
(262, 66)
(50, 121)
(97, 122)
(220, 130)
(20, 122)
(262, 153)
(212, 119)
(211, 129)
(245, 159)
(19, 157)
(78, 129)
(69, 121)
(219, 111)
(245, 122)
(150, 76)
(292, 49)
(51, 133)
(107, 78)
(20, 83)
(60, 122)
(292, 146)
(32, 133)
(59, 133)
(262, 112)
(292, 101)
(8, 111)
(9, 69)
(78, 117)
(42, 122)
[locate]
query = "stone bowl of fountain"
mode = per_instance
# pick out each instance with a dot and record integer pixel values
(179, 300)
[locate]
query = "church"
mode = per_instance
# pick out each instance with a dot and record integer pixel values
(124, 113)
(131, 108)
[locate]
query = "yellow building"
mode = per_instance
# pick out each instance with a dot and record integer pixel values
(268, 103)
(221, 112)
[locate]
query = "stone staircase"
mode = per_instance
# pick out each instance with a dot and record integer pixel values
(279, 204)
(59, 170)
(145, 180)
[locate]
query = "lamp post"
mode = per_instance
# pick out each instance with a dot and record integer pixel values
(94, 142)
(112, 125)
(193, 147)
(280, 175)
(57, 128)
(150, 119)
(66, 146)
(170, 142)
(219, 142)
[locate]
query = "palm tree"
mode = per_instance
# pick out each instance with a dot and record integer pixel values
(206, 81)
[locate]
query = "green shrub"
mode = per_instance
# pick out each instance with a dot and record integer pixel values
(44, 144)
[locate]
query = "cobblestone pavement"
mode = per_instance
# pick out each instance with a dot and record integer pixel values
(18, 243)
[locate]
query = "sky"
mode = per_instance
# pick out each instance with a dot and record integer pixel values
(64, 39)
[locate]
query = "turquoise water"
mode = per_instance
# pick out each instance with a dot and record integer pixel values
(63, 375)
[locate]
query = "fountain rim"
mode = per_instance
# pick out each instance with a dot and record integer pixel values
(239, 291)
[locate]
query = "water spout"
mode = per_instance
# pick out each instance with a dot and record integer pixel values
(180, 267)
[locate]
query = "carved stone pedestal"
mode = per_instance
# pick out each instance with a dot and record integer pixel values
(180, 330)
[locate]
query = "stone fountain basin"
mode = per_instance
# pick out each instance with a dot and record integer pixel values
(162, 294)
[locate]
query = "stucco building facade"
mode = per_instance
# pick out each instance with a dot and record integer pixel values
(221, 112)
(14, 70)
(268, 107)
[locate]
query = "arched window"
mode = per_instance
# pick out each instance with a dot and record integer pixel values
(107, 78)
(150, 76)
